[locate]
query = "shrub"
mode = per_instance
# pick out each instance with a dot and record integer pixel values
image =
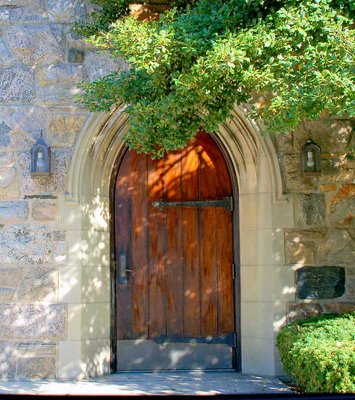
(319, 353)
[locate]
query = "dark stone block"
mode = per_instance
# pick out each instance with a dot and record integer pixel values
(320, 282)
(310, 209)
(76, 56)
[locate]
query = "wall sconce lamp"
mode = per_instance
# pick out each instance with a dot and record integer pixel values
(40, 158)
(310, 158)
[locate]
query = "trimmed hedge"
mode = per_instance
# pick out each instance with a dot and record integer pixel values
(319, 353)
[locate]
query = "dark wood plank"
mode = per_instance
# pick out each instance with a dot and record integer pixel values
(139, 240)
(122, 239)
(174, 256)
(209, 222)
(157, 249)
(214, 162)
(224, 253)
(209, 284)
(216, 229)
(190, 221)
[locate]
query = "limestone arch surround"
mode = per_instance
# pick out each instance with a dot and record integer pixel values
(266, 284)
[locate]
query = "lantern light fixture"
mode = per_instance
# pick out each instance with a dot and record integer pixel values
(310, 158)
(40, 158)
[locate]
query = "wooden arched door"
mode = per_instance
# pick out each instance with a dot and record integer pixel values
(173, 230)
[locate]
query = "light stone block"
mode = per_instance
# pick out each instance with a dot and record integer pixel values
(8, 360)
(64, 128)
(60, 253)
(44, 210)
(25, 123)
(57, 96)
(13, 211)
(257, 283)
(11, 277)
(258, 356)
(284, 284)
(40, 284)
(96, 212)
(32, 321)
(95, 321)
(267, 247)
(74, 321)
(257, 211)
(60, 75)
(300, 254)
(58, 84)
(75, 251)
(248, 239)
(37, 44)
(24, 244)
(264, 178)
(69, 284)
(36, 368)
(338, 248)
(95, 287)
(343, 213)
(6, 295)
(257, 320)
(35, 349)
(95, 355)
(282, 214)
(66, 11)
(95, 249)
(69, 364)
(69, 215)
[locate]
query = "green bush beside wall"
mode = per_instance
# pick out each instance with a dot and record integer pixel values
(319, 353)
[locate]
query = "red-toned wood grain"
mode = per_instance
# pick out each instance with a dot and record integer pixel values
(139, 243)
(174, 254)
(157, 250)
(122, 241)
(191, 243)
(209, 223)
(181, 257)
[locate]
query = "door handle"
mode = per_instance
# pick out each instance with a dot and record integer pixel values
(122, 269)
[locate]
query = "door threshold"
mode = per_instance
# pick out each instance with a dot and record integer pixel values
(170, 371)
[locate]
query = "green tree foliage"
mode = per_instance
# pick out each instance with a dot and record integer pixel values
(319, 353)
(290, 60)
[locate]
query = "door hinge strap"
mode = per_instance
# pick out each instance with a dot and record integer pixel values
(226, 203)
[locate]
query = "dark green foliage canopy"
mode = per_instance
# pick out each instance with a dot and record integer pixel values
(289, 60)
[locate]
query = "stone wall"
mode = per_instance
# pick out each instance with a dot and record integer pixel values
(324, 214)
(41, 62)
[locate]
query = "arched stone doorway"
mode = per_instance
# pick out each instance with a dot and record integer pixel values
(265, 283)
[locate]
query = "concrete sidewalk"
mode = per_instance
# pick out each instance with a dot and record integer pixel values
(162, 383)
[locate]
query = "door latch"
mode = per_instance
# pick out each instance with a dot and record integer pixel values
(122, 269)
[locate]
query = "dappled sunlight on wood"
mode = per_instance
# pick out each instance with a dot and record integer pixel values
(176, 284)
